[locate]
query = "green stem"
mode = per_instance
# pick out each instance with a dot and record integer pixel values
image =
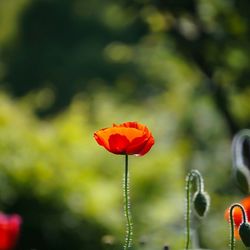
(188, 211)
(129, 228)
(232, 241)
(199, 179)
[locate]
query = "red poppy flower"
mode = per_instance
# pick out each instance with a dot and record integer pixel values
(129, 138)
(9, 230)
(237, 215)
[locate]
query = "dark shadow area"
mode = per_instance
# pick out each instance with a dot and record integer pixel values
(48, 225)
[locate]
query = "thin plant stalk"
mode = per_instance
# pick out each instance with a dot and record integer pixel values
(191, 175)
(232, 240)
(129, 226)
(188, 212)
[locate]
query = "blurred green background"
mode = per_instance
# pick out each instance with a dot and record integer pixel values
(71, 67)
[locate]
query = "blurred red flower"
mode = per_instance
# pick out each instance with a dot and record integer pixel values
(9, 230)
(237, 215)
(129, 138)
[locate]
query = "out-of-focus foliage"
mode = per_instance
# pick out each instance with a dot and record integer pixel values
(63, 184)
(180, 67)
(137, 48)
(68, 189)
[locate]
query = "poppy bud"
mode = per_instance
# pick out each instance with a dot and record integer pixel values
(241, 159)
(244, 232)
(201, 203)
(242, 180)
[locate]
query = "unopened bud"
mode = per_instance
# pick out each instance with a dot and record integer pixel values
(244, 232)
(242, 180)
(201, 203)
(241, 159)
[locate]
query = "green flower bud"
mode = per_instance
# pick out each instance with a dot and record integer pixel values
(242, 180)
(201, 203)
(241, 159)
(244, 232)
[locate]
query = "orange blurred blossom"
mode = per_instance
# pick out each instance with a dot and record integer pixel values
(237, 215)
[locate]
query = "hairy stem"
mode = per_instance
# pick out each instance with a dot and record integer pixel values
(187, 213)
(232, 240)
(129, 228)
(191, 175)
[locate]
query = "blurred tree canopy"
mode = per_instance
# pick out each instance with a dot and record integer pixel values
(78, 46)
(179, 66)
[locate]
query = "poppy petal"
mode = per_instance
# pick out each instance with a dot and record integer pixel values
(9, 230)
(102, 139)
(147, 146)
(129, 133)
(118, 144)
(136, 145)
